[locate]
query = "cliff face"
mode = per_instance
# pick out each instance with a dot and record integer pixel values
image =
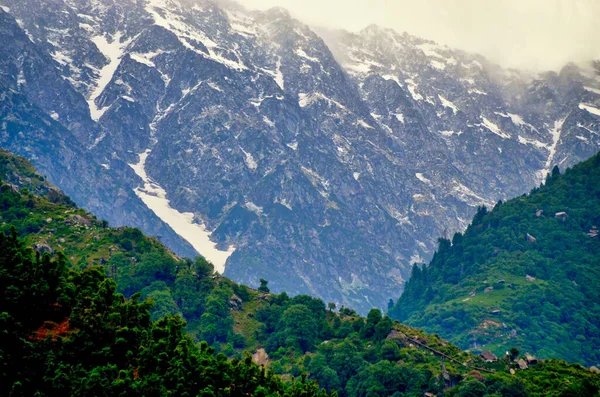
(326, 167)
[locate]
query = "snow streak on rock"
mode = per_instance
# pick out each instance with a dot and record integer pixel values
(155, 197)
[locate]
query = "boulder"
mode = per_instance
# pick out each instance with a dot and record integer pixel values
(522, 364)
(488, 356)
(77, 220)
(10, 188)
(531, 239)
(561, 216)
(529, 278)
(530, 359)
(235, 302)
(539, 213)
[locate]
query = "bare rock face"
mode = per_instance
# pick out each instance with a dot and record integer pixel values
(235, 303)
(78, 220)
(331, 166)
(260, 357)
(522, 364)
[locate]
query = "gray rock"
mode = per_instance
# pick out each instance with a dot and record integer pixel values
(333, 164)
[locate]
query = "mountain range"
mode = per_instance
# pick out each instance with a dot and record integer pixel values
(88, 309)
(326, 162)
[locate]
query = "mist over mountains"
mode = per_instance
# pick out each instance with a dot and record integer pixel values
(325, 162)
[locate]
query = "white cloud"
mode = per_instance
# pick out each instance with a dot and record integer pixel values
(526, 34)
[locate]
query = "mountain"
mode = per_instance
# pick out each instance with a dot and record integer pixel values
(67, 332)
(33, 92)
(67, 329)
(325, 163)
(523, 274)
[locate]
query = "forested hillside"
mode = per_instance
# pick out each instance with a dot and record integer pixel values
(75, 321)
(524, 274)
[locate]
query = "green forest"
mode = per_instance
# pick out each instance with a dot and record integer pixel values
(523, 274)
(87, 309)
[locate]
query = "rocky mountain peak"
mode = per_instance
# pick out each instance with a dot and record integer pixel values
(325, 163)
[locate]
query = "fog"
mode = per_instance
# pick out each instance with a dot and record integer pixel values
(526, 34)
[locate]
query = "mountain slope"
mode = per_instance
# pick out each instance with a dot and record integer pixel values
(45, 119)
(524, 274)
(68, 331)
(325, 167)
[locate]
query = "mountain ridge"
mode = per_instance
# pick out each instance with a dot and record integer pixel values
(524, 271)
(280, 151)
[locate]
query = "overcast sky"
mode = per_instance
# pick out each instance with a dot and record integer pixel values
(527, 34)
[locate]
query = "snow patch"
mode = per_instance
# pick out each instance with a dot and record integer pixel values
(450, 133)
(430, 50)
(448, 104)
(358, 67)
(283, 202)
(422, 178)
(412, 88)
(364, 124)
(437, 64)
(113, 51)
(494, 128)
(555, 132)
(392, 77)
(278, 75)
(62, 58)
(587, 129)
(214, 86)
(594, 90)
(254, 208)
(249, 160)
(300, 52)
(402, 218)
(538, 144)
(476, 91)
(155, 198)
(145, 59)
(516, 120)
(416, 258)
(186, 33)
(305, 100)
(590, 109)
(268, 121)
(468, 196)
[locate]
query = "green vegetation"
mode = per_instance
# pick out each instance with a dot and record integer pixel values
(69, 333)
(95, 310)
(524, 274)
